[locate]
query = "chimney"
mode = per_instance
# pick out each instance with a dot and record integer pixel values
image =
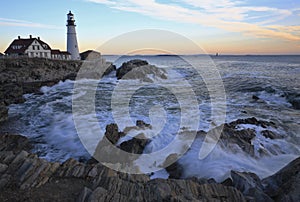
(19, 37)
(30, 36)
(38, 38)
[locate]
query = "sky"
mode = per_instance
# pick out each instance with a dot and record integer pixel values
(223, 26)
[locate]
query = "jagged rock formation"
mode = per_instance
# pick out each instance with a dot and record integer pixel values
(108, 144)
(285, 184)
(231, 135)
(24, 176)
(139, 69)
(250, 185)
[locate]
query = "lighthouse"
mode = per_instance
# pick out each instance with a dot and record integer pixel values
(72, 45)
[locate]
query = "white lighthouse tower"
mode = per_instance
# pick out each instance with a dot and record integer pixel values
(72, 45)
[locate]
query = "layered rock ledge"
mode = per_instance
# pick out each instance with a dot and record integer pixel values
(25, 177)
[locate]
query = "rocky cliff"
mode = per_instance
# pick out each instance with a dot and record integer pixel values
(27, 75)
(19, 76)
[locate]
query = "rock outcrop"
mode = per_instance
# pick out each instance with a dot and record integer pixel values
(19, 76)
(232, 136)
(24, 176)
(139, 69)
(250, 185)
(285, 184)
(293, 99)
(112, 135)
(128, 66)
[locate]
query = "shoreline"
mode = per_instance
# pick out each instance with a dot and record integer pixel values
(19, 76)
(24, 176)
(23, 172)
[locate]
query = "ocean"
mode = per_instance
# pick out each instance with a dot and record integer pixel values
(190, 97)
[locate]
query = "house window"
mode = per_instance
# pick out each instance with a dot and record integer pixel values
(33, 47)
(38, 47)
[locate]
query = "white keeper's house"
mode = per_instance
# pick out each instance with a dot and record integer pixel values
(34, 47)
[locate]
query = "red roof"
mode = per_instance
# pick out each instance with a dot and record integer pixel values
(23, 45)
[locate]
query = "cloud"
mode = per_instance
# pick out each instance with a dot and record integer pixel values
(228, 15)
(22, 23)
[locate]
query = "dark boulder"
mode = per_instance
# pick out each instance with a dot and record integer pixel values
(295, 103)
(112, 133)
(172, 166)
(140, 70)
(136, 145)
(110, 69)
(128, 66)
(254, 97)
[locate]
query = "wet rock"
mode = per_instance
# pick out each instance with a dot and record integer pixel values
(295, 103)
(230, 137)
(285, 184)
(110, 69)
(139, 69)
(254, 97)
(250, 185)
(253, 121)
(294, 99)
(271, 135)
(112, 133)
(136, 145)
(128, 66)
(15, 143)
(171, 165)
(142, 124)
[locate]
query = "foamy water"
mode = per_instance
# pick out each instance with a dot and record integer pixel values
(48, 121)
